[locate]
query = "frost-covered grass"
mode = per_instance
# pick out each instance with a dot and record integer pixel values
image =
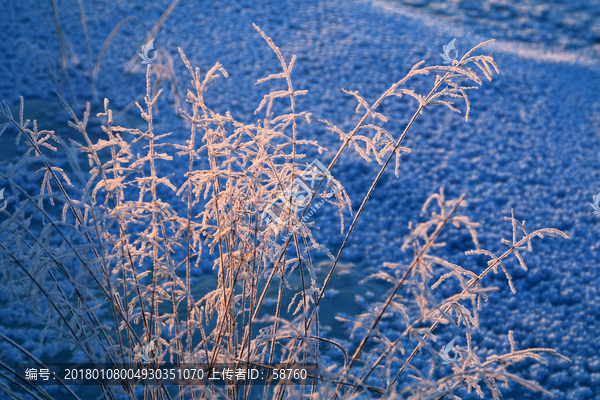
(119, 238)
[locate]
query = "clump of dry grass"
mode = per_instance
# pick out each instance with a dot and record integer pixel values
(129, 234)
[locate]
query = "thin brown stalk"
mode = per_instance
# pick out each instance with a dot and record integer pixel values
(413, 264)
(87, 46)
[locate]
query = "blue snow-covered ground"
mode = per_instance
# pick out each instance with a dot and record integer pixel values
(532, 143)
